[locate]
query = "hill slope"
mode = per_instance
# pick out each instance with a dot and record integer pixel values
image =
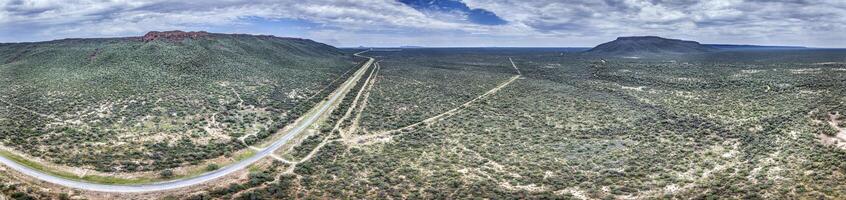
(157, 101)
(648, 46)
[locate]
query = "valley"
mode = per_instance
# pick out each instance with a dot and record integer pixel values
(422, 99)
(451, 123)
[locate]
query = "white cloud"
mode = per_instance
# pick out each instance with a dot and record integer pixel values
(131, 17)
(572, 23)
(724, 21)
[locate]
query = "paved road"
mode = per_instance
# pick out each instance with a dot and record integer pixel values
(180, 183)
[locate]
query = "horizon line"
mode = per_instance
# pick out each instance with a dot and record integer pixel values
(571, 47)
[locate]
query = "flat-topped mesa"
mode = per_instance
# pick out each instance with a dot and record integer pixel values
(638, 46)
(173, 35)
(654, 39)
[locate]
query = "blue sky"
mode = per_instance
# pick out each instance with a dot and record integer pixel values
(470, 23)
(476, 16)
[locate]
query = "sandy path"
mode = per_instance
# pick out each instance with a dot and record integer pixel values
(363, 139)
(839, 138)
(515, 66)
(353, 105)
(459, 108)
(357, 120)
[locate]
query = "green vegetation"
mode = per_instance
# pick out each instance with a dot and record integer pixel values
(212, 167)
(166, 173)
(258, 178)
(740, 125)
(247, 154)
(125, 105)
(10, 188)
(414, 86)
(723, 125)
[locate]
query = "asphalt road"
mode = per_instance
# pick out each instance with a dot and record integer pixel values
(181, 183)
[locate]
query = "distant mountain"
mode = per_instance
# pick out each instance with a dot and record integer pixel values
(751, 47)
(639, 46)
(152, 49)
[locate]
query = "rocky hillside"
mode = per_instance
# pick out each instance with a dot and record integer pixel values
(160, 100)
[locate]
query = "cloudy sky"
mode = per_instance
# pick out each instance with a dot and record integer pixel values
(511, 23)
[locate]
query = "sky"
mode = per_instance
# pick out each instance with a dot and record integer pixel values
(439, 23)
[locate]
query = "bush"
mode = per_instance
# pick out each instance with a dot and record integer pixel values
(212, 167)
(166, 173)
